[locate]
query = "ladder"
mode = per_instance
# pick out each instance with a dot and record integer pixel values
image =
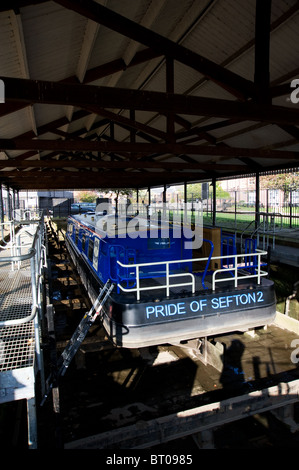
(79, 336)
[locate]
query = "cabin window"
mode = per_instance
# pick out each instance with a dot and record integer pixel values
(76, 236)
(83, 241)
(90, 249)
(158, 243)
(95, 253)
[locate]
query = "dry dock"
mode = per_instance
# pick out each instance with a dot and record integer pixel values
(166, 397)
(119, 398)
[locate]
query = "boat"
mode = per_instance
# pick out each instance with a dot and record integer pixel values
(166, 291)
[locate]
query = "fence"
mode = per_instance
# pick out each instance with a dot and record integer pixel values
(239, 209)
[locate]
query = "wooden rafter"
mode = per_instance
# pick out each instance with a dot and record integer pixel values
(91, 156)
(125, 164)
(90, 97)
(142, 148)
(232, 82)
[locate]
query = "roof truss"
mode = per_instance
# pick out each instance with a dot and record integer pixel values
(148, 154)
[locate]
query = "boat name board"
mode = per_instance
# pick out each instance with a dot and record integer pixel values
(204, 304)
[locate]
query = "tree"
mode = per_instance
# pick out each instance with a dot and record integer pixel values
(284, 181)
(195, 189)
(221, 193)
(86, 196)
(118, 192)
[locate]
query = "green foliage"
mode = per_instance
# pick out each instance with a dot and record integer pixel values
(220, 193)
(86, 196)
(284, 181)
(195, 189)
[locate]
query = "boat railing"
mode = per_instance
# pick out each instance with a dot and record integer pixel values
(241, 267)
(249, 266)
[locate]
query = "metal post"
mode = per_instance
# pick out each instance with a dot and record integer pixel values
(8, 204)
(214, 201)
(257, 199)
(32, 423)
(164, 201)
(167, 280)
(236, 271)
(1, 212)
(235, 210)
(291, 205)
(185, 202)
(137, 283)
(259, 269)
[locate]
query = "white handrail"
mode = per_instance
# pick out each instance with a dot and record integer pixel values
(167, 285)
(37, 256)
(258, 275)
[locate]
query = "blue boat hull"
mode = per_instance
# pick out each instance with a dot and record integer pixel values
(152, 321)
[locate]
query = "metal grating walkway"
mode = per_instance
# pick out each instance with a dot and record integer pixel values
(17, 342)
(20, 274)
(15, 292)
(17, 345)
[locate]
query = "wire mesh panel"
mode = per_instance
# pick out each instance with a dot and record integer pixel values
(17, 346)
(17, 340)
(21, 264)
(15, 294)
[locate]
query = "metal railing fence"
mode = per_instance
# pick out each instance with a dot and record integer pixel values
(250, 262)
(36, 253)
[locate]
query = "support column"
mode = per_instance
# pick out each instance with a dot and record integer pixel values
(185, 203)
(1, 212)
(14, 201)
(214, 201)
(32, 423)
(149, 203)
(1, 205)
(137, 201)
(164, 201)
(262, 51)
(257, 199)
(9, 210)
(291, 208)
